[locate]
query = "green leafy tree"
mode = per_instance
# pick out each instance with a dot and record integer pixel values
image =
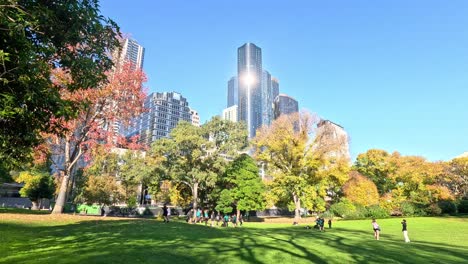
(102, 189)
(38, 184)
(137, 170)
(196, 156)
(245, 188)
(36, 37)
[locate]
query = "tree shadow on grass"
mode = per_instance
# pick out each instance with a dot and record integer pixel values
(150, 241)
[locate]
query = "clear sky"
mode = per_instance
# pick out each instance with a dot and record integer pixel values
(394, 73)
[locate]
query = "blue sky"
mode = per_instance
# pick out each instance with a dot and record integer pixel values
(394, 73)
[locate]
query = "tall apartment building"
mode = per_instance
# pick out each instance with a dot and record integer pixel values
(285, 105)
(165, 110)
(132, 52)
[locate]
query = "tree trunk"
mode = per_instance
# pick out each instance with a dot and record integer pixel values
(195, 199)
(142, 194)
(297, 209)
(238, 216)
(62, 196)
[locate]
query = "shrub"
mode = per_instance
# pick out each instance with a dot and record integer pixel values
(448, 207)
(463, 207)
(343, 208)
(376, 211)
(434, 209)
(407, 209)
(327, 214)
(132, 202)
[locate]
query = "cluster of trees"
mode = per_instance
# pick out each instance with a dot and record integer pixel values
(208, 167)
(403, 185)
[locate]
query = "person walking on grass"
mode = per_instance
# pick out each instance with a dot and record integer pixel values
(376, 228)
(206, 216)
(405, 231)
(329, 223)
(165, 212)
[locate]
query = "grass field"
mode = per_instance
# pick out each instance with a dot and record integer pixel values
(37, 238)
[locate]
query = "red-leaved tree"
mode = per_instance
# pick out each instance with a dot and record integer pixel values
(116, 102)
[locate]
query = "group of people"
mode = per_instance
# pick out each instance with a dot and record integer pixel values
(377, 230)
(215, 217)
(320, 223)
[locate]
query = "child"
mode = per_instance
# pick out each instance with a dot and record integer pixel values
(376, 228)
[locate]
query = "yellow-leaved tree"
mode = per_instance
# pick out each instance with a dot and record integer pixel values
(361, 190)
(302, 167)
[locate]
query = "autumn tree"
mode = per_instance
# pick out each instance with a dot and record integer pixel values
(118, 100)
(37, 37)
(360, 190)
(375, 164)
(457, 177)
(416, 179)
(300, 167)
(197, 156)
(244, 187)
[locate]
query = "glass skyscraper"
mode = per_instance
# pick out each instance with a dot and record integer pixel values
(249, 74)
(285, 105)
(233, 92)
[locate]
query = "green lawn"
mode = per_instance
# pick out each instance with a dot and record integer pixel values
(79, 239)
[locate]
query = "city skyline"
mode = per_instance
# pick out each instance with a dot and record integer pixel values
(389, 73)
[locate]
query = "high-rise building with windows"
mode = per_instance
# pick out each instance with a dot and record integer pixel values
(256, 89)
(233, 92)
(165, 110)
(249, 74)
(132, 52)
(274, 87)
(267, 98)
(285, 105)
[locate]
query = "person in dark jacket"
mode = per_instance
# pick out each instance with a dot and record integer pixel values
(405, 231)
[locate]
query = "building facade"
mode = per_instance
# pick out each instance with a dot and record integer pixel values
(285, 105)
(334, 139)
(132, 52)
(230, 114)
(195, 117)
(233, 92)
(249, 74)
(165, 111)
